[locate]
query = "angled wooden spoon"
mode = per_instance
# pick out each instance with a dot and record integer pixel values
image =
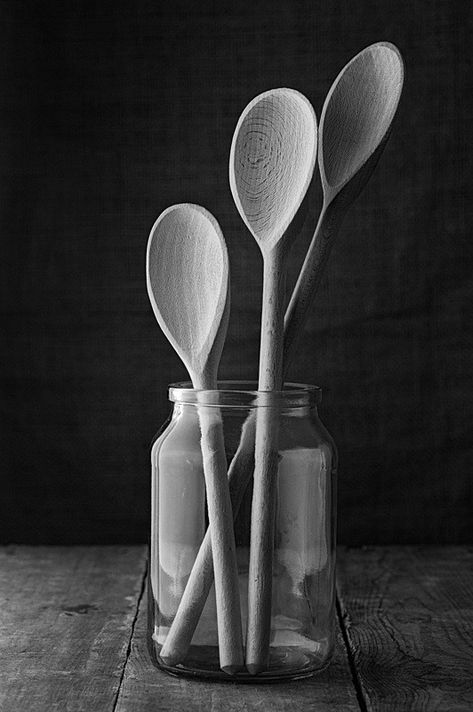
(272, 160)
(187, 277)
(354, 128)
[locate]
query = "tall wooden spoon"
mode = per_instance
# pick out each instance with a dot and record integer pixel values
(354, 128)
(272, 160)
(187, 277)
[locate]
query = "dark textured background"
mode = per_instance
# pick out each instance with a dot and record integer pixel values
(111, 112)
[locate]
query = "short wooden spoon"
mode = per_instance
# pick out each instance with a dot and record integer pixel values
(272, 160)
(354, 128)
(187, 277)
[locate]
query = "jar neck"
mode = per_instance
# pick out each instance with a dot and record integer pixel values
(294, 399)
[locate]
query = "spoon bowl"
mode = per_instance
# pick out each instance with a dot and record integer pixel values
(358, 113)
(187, 278)
(272, 159)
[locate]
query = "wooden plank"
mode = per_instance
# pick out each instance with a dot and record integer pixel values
(408, 613)
(66, 616)
(147, 689)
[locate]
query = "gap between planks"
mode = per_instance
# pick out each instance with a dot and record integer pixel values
(132, 631)
(351, 660)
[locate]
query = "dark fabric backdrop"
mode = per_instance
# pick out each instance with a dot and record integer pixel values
(110, 112)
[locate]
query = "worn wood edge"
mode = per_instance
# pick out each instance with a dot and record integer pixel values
(404, 654)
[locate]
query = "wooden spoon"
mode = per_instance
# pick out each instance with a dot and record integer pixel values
(354, 128)
(187, 277)
(272, 160)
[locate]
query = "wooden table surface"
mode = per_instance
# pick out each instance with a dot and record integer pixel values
(73, 636)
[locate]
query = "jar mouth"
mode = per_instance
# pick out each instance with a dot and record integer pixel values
(245, 394)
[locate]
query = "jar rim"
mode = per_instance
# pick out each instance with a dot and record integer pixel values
(245, 394)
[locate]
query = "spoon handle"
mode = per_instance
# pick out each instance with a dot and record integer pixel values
(230, 639)
(216, 554)
(201, 577)
(266, 463)
(309, 277)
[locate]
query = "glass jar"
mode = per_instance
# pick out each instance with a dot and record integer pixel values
(182, 631)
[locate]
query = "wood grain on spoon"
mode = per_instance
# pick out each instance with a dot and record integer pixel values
(187, 279)
(354, 128)
(272, 159)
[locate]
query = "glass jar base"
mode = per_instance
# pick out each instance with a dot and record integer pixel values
(285, 664)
